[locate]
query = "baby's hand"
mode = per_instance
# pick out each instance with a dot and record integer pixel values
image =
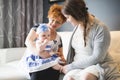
(46, 41)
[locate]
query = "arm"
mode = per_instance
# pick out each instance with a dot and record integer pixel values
(59, 66)
(60, 50)
(60, 54)
(29, 42)
(100, 42)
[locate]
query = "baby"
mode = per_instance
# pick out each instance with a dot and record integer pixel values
(44, 45)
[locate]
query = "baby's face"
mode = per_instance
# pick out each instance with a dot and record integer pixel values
(44, 35)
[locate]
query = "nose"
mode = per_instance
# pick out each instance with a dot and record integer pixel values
(46, 37)
(54, 22)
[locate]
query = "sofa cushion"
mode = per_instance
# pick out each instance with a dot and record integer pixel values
(11, 54)
(8, 72)
(114, 49)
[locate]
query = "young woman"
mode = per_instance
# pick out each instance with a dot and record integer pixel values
(88, 57)
(56, 19)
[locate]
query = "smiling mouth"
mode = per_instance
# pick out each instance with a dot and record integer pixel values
(54, 26)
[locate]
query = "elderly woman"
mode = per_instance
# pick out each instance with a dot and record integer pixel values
(56, 19)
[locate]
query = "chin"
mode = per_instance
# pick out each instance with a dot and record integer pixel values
(52, 27)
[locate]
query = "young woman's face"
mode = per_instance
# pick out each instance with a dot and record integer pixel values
(54, 23)
(71, 20)
(44, 35)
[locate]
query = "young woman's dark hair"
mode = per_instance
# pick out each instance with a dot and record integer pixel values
(78, 12)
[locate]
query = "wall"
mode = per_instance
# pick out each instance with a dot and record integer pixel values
(106, 10)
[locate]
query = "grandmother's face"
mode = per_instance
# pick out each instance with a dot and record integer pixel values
(55, 23)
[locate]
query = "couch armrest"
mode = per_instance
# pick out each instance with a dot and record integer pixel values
(11, 54)
(114, 48)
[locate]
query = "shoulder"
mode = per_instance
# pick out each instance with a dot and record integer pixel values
(99, 27)
(99, 31)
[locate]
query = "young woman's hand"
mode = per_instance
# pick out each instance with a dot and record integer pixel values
(64, 70)
(58, 67)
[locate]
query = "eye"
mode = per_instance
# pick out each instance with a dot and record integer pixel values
(48, 35)
(57, 22)
(43, 35)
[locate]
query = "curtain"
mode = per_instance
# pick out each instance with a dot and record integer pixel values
(16, 19)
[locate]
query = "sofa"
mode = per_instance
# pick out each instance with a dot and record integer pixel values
(10, 57)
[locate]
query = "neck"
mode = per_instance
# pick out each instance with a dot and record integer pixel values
(53, 34)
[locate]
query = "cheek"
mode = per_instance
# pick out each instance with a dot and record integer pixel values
(58, 26)
(50, 23)
(69, 20)
(40, 37)
(55, 26)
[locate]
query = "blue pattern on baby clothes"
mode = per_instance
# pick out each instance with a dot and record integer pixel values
(52, 58)
(48, 48)
(34, 60)
(31, 60)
